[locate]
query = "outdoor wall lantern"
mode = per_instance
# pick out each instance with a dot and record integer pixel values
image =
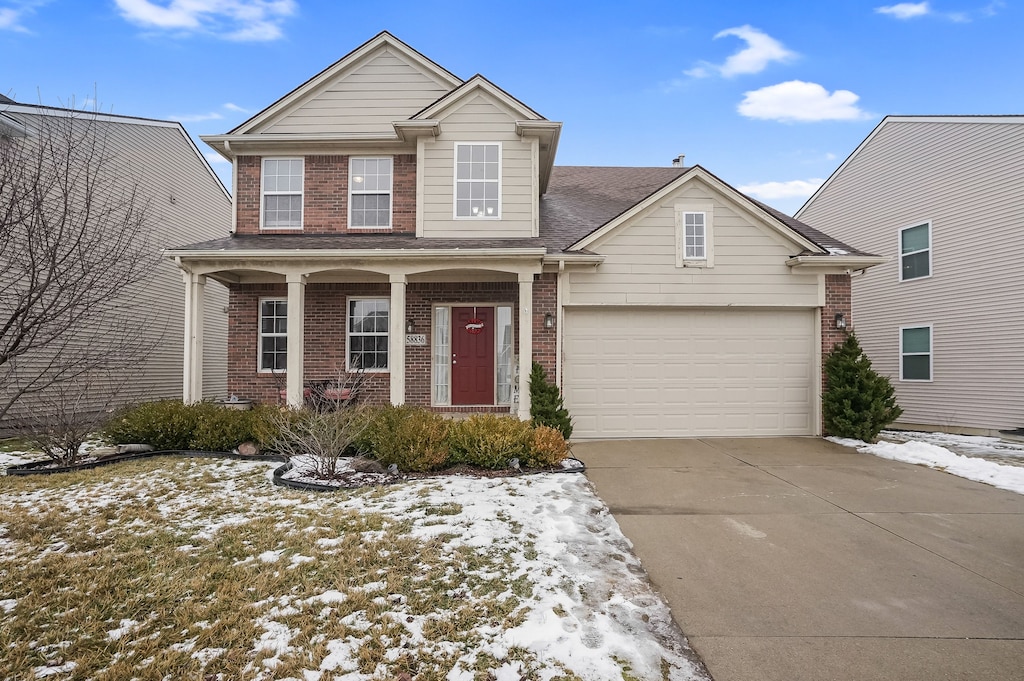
(840, 320)
(410, 326)
(549, 321)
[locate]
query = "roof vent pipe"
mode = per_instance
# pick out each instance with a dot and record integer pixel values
(677, 162)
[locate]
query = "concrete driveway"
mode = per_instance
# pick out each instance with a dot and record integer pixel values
(795, 558)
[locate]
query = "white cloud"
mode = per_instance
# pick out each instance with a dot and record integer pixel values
(234, 107)
(760, 51)
(793, 189)
(196, 118)
(796, 100)
(241, 20)
(216, 159)
(11, 18)
(905, 10)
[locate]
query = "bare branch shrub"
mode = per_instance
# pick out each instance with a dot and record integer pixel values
(319, 438)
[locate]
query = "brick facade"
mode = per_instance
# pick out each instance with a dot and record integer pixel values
(325, 333)
(837, 299)
(325, 196)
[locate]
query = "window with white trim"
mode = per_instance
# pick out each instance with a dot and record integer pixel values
(478, 181)
(694, 234)
(281, 200)
(273, 340)
(367, 338)
(369, 188)
(916, 353)
(916, 251)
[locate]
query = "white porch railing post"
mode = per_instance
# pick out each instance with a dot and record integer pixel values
(296, 338)
(396, 356)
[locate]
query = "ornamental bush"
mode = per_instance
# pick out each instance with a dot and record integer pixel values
(547, 449)
(546, 405)
(205, 426)
(858, 401)
(490, 441)
(413, 438)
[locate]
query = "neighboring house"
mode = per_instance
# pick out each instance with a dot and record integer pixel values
(393, 218)
(942, 197)
(184, 201)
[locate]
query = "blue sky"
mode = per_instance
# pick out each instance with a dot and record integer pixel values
(771, 97)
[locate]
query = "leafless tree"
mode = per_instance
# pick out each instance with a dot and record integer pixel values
(75, 247)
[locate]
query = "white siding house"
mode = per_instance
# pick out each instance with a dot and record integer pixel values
(184, 201)
(943, 198)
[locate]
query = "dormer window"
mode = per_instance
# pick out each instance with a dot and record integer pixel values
(282, 193)
(478, 181)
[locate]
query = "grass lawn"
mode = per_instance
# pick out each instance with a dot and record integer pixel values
(174, 568)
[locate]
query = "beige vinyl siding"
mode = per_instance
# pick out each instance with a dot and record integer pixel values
(479, 119)
(640, 263)
(382, 89)
(966, 177)
(186, 204)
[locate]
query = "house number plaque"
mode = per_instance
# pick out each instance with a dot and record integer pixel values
(415, 339)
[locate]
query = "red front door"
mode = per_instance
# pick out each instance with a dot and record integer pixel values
(472, 355)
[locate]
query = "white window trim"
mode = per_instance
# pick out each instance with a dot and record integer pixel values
(455, 181)
(390, 192)
(348, 335)
(930, 353)
(260, 336)
(265, 193)
(708, 209)
(900, 254)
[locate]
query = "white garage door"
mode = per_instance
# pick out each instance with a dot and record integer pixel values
(679, 373)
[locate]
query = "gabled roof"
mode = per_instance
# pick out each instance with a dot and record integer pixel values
(924, 119)
(476, 84)
(337, 68)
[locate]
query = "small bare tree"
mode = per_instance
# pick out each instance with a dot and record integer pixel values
(75, 248)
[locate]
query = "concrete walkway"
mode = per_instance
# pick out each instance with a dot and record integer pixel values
(797, 559)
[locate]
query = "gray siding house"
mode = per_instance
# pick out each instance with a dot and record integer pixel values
(185, 201)
(943, 198)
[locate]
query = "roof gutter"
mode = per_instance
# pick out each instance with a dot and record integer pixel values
(834, 264)
(352, 253)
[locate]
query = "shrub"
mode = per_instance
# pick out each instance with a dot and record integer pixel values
(548, 448)
(490, 441)
(172, 425)
(858, 401)
(413, 438)
(546, 405)
(323, 436)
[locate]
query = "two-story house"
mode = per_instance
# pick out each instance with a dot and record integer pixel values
(396, 220)
(942, 197)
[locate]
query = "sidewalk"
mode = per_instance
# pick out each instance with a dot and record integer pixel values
(798, 559)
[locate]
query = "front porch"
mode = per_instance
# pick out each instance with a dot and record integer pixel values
(454, 333)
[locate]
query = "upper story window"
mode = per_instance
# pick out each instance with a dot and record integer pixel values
(916, 251)
(273, 334)
(915, 353)
(694, 234)
(369, 187)
(478, 180)
(282, 193)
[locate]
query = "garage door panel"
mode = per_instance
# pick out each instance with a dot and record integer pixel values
(664, 372)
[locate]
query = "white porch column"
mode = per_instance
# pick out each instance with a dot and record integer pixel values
(396, 356)
(296, 337)
(192, 367)
(525, 342)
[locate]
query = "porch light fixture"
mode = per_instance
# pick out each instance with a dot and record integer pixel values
(410, 326)
(549, 321)
(840, 320)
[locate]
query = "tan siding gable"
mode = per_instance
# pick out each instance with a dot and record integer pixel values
(640, 262)
(479, 118)
(967, 179)
(381, 89)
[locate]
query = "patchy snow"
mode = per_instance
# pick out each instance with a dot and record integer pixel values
(972, 458)
(590, 610)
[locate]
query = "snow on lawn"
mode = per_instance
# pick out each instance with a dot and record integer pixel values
(456, 578)
(979, 458)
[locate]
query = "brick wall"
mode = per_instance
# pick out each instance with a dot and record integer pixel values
(325, 332)
(837, 299)
(325, 196)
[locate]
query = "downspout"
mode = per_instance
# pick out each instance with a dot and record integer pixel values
(559, 317)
